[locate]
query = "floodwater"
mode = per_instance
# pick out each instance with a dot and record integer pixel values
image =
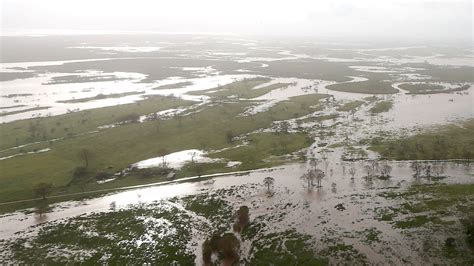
(36, 92)
(409, 113)
(176, 160)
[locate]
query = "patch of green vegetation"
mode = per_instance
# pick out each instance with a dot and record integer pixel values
(319, 118)
(82, 78)
(337, 145)
(262, 146)
(433, 89)
(213, 208)
(353, 154)
(442, 143)
(197, 169)
(343, 252)
(102, 96)
(12, 106)
(458, 197)
(284, 248)
(421, 88)
(416, 221)
(350, 106)
(113, 149)
(376, 84)
(242, 90)
(23, 110)
(308, 69)
(372, 235)
(178, 85)
(46, 128)
(381, 107)
(155, 234)
(426, 207)
(371, 99)
(446, 73)
(6, 76)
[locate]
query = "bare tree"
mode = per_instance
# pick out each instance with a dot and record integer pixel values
(43, 189)
(193, 155)
(113, 206)
(41, 208)
(229, 135)
(368, 170)
(85, 155)
(375, 166)
(309, 177)
(352, 172)
(427, 170)
(417, 168)
(163, 153)
(319, 176)
(385, 170)
(268, 181)
(467, 154)
(313, 162)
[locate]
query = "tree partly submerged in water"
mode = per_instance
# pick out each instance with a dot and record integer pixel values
(268, 181)
(313, 175)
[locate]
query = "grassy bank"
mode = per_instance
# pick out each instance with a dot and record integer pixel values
(444, 142)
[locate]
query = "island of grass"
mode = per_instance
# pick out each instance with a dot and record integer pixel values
(4, 113)
(110, 150)
(247, 91)
(178, 85)
(12, 106)
(374, 85)
(82, 79)
(350, 106)
(101, 96)
(454, 141)
(430, 88)
(381, 107)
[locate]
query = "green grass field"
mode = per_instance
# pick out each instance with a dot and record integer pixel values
(113, 149)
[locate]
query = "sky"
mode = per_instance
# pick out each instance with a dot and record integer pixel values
(390, 19)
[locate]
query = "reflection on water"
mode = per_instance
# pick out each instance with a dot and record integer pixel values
(176, 159)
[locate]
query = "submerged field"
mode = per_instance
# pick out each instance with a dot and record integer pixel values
(141, 155)
(286, 227)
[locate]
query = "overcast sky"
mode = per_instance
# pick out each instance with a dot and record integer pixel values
(404, 19)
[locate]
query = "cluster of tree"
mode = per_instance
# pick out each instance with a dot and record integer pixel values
(427, 169)
(313, 175)
(375, 169)
(456, 144)
(268, 182)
